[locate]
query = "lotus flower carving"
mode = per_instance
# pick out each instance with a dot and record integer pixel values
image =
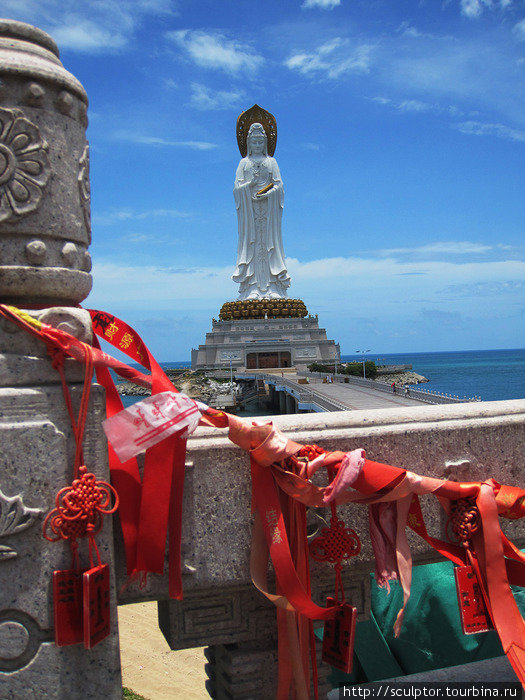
(15, 517)
(24, 165)
(84, 188)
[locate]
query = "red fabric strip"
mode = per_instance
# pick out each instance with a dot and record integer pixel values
(415, 521)
(175, 520)
(161, 498)
(125, 476)
(506, 616)
(269, 509)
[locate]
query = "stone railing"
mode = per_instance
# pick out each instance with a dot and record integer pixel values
(223, 610)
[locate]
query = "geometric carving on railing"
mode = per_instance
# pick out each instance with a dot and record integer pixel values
(241, 614)
(234, 614)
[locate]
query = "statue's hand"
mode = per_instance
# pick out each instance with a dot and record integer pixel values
(265, 191)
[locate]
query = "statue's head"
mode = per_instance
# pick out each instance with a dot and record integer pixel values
(256, 140)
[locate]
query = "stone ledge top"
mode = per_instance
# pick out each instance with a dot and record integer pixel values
(13, 29)
(28, 51)
(385, 419)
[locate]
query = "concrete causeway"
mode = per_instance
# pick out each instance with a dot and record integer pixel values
(290, 394)
(356, 397)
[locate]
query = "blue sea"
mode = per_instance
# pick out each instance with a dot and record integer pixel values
(493, 375)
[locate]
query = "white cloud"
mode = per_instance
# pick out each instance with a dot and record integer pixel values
(414, 73)
(474, 8)
(205, 98)
(405, 105)
(519, 30)
(92, 27)
(216, 51)
(160, 141)
(162, 285)
(112, 217)
(485, 289)
(83, 35)
(382, 100)
(413, 106)
(389, 293)
(322, 4)
(444, 70)
(333, 58)
(487, 293)
(381, 270)
(502, 131)
(138, 238)
(212, 285)
(407, 29)
(442, 247)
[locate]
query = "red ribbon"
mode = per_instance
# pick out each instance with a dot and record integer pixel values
(156, 502)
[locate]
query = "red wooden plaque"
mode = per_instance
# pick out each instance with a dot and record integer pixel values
(472, 609)
(338, 639)
(67, 602)
(96, 605)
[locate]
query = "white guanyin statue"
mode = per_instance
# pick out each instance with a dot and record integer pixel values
(259, 198)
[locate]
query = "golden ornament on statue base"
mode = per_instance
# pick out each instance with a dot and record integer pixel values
(263, 308)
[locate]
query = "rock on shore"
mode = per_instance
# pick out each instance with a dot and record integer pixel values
(401, 378)
(193, 384)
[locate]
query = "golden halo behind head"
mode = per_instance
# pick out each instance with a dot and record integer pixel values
(261, 116)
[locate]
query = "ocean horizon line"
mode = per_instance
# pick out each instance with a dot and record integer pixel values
(490, 374)
(408, 352)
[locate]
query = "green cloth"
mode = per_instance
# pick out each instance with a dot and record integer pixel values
(431, 636)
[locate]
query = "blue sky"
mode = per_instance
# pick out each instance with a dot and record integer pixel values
(401, 138)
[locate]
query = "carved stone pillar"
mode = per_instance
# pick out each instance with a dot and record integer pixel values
(44, 262)
(45, 226)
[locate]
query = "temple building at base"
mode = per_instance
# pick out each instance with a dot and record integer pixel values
(263, 328)
(255, 343)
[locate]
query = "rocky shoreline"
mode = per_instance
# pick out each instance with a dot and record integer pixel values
(206, 389)
(401, 378)
(193, 384)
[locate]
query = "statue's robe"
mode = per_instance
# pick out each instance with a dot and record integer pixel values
(260, 254)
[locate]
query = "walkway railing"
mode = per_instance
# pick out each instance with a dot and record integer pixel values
(433, 397)
(307, 394)
(303, 393)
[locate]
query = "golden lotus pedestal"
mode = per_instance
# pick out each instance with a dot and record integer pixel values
(262, 334)
(263, 308)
